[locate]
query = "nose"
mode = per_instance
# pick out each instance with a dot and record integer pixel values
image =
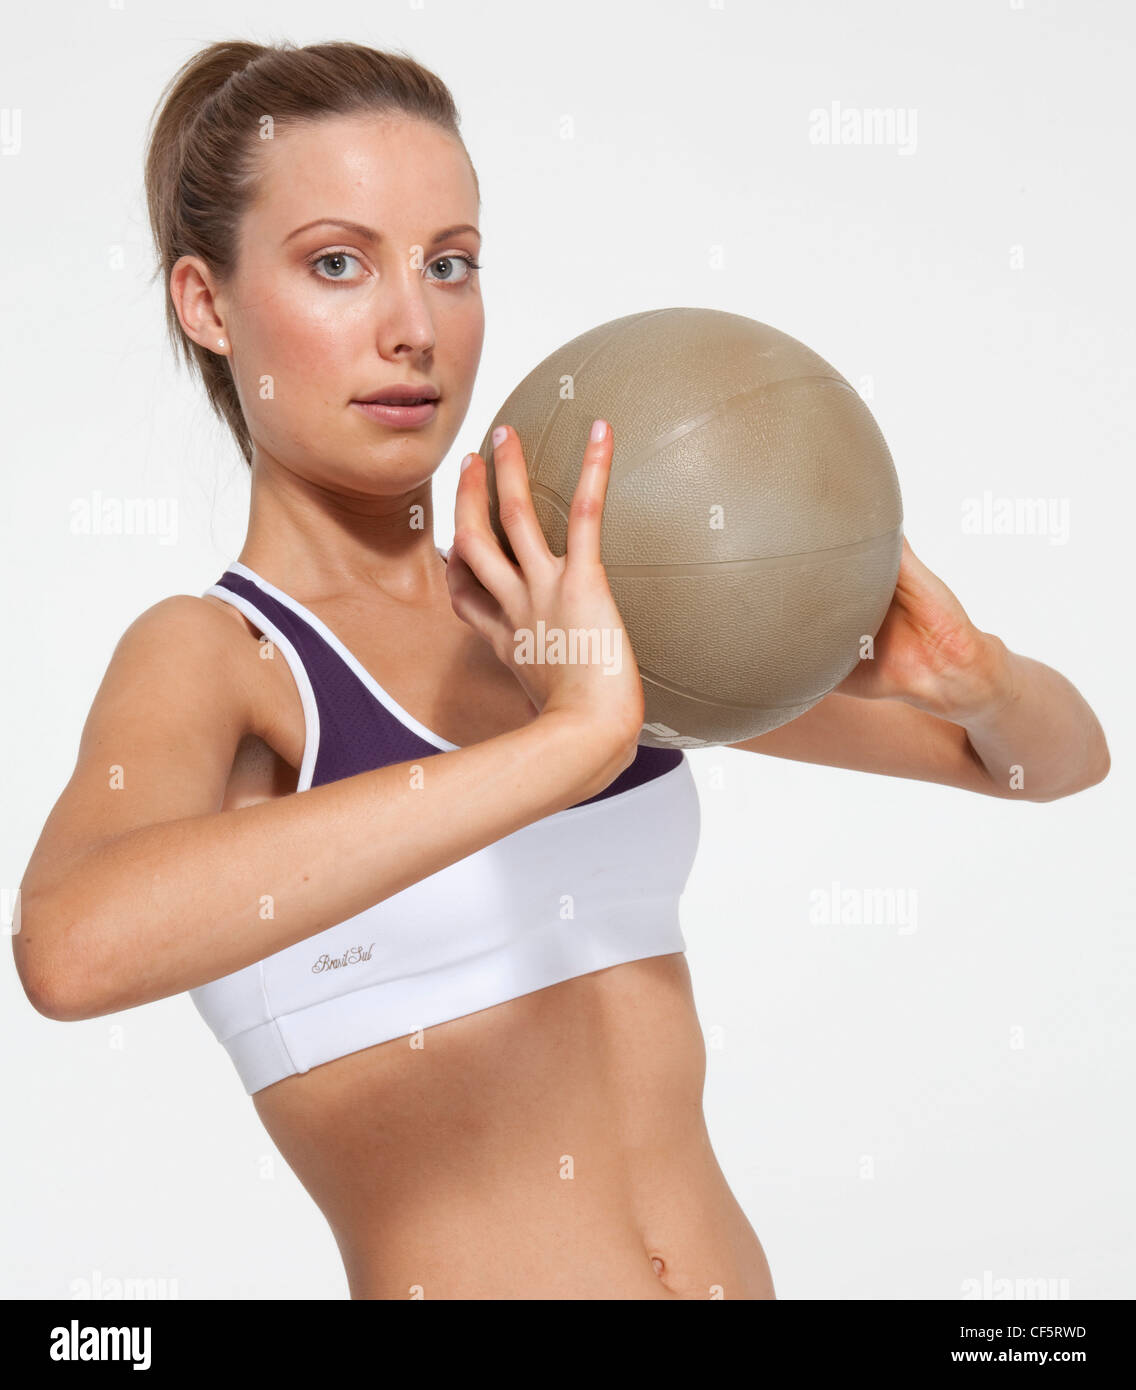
(407, 327)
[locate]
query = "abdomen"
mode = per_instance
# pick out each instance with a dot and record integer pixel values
(548, 1147)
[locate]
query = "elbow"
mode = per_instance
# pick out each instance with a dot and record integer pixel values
(58, 1007)
(1094, 770)
(1098, 775)
(54, 996)
(1099, 768)
(1099, 771)
(53, 990)
(1099, 765)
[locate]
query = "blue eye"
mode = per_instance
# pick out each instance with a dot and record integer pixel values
(453, 260)
(341, 257)
(334, 256)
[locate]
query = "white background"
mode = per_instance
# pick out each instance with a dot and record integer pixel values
(130, 1147)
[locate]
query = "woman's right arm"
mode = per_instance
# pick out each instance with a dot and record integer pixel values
(140, 887)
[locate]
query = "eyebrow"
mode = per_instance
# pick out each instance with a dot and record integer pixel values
(369, 234)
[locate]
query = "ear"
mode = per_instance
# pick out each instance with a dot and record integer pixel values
(194, 294)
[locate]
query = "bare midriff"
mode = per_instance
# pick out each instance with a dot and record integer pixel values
(551, 1147)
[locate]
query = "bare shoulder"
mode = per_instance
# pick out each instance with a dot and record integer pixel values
(180, 677)
(191, 617)
(197, 641)
(176, 699)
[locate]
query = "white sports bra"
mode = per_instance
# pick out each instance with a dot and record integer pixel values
(589, 887)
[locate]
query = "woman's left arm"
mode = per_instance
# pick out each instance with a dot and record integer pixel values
(941, 701)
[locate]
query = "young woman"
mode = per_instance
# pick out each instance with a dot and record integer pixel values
(427, 897)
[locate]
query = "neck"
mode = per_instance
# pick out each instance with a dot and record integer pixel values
(310, 540)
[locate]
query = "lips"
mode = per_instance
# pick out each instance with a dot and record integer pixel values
(404, 393)
(399, 400)
(398, 414)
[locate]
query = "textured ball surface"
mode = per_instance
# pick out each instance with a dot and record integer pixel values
(753, 523)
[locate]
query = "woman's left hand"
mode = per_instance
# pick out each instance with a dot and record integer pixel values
(928, 653)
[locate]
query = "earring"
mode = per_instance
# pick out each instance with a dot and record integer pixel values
(220, 342)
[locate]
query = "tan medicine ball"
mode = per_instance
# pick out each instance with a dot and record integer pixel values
(753, 523)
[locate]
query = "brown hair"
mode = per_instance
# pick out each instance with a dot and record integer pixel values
(201, 154)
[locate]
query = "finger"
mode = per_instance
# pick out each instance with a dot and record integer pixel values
(585, 517)
(471, 601)
(515, 504)
(474, 541)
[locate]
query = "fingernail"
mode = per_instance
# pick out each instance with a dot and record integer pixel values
(500, 434)
(599, 430)
(465, 463)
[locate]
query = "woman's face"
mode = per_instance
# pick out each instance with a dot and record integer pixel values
(321, 315)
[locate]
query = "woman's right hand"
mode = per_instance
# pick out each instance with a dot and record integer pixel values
(599, 683)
